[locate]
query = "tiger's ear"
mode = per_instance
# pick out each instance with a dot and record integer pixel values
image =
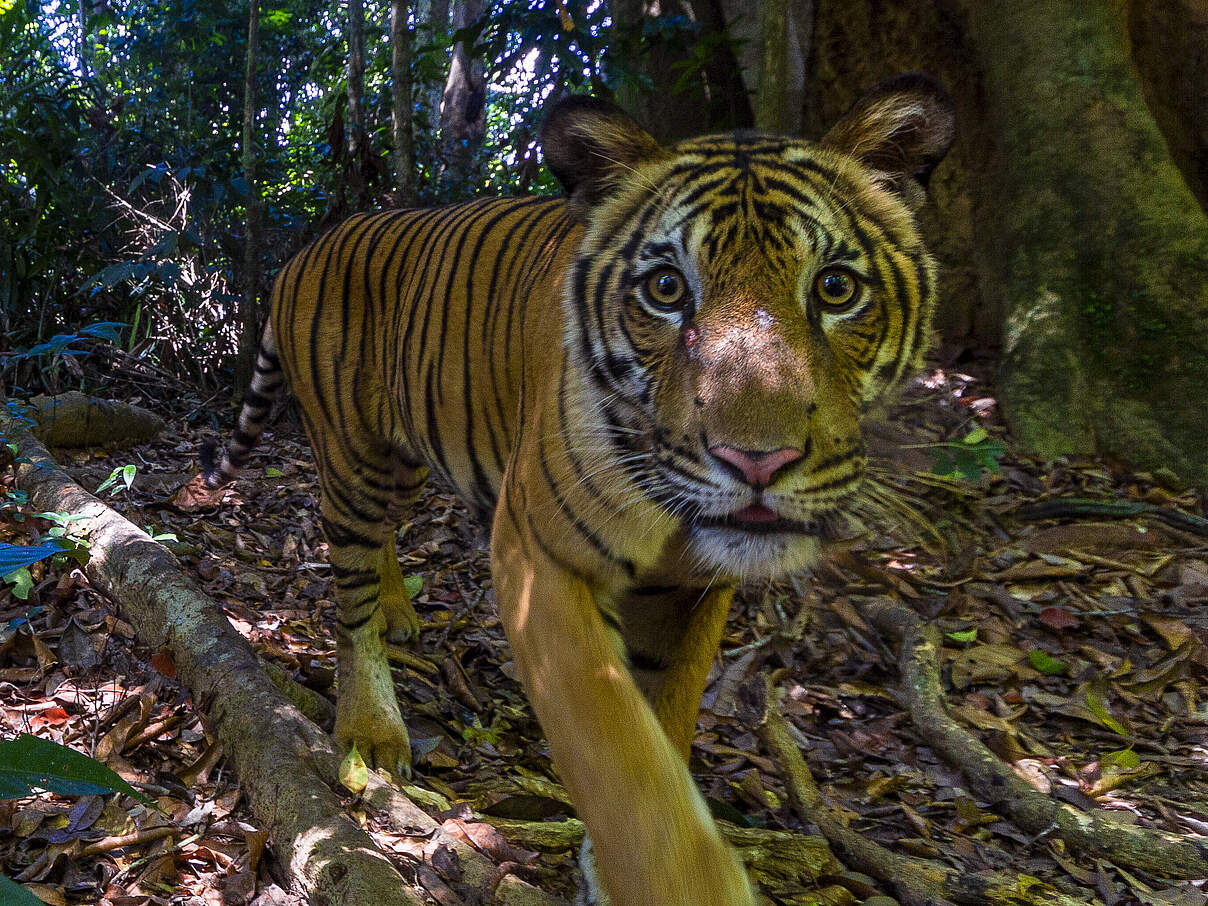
(592, 146)
(903, 127)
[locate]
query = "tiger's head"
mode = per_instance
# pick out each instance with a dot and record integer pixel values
(740, 300)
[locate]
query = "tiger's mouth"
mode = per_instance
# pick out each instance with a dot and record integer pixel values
(758, 519)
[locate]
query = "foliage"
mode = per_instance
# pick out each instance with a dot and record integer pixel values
(119, 480)
(122, 196)
(29, 763)
(969, 457)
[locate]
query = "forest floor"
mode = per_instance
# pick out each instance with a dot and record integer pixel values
(1075, 649)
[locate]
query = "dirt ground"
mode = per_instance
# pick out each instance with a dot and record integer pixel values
(1075, 648)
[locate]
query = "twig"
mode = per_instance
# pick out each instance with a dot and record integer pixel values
(138, 838)
(397, 655)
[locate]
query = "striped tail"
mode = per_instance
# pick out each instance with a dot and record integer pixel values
(267, 379)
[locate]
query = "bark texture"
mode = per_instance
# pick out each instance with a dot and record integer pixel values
(400, 67)
(74, 419)
(1093, 242)
(857, 44)
(357, 150)
(431, 24)
(773, 42)
(712, 99)
(289, 775)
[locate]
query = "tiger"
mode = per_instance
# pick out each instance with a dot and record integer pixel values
(650, 389)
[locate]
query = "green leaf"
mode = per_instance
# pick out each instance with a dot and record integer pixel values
(105, 330)
(965, 635)
(125, 474)
(1045, 662)
(60, 519)
(354, 773)
(968, 464)
(1123, 759)
(942, 462)
(13, 894)
(1095, 703)
(270, 472)
(976, 436)
(28, 763)
(22, 583)
(413, 585)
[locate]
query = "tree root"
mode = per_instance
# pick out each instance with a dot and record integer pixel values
(1081, 508)
(915, 881)
(1096, 833)
(289, 775)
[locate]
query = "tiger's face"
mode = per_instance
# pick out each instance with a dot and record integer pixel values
(738, 302)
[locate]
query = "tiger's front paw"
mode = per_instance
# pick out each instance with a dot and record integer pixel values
(367, 713)
(381, 740)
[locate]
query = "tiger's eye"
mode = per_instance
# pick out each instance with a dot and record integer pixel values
(665, 289)
(835, 288)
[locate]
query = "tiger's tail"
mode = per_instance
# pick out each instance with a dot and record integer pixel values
(267, 379)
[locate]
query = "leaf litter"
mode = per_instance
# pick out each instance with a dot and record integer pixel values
(1075, 649)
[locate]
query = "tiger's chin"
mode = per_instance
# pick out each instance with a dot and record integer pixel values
(760, 552)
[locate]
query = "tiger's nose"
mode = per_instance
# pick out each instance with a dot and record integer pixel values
(756, 467)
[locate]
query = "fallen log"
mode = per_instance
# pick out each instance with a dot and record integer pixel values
(289, 775)
(74, 419)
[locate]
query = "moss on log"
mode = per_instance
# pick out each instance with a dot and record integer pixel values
(74, 419)
(1094, 242)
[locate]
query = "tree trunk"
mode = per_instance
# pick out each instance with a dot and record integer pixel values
(400, 66)
(774, 63)
(463, 110)
(714, 98)
(774, 59)
(1170, 49)
(1094, 242)
(249, 333)
(431, 24)
(356, 104)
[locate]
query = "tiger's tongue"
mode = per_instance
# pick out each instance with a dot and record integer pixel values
(755, 513)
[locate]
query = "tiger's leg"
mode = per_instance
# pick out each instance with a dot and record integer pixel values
(670, 641)
(356, 476)
(654, 839)
(402, 623)
(670, 645)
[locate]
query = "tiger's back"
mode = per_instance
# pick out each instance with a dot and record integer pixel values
(411, 327)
